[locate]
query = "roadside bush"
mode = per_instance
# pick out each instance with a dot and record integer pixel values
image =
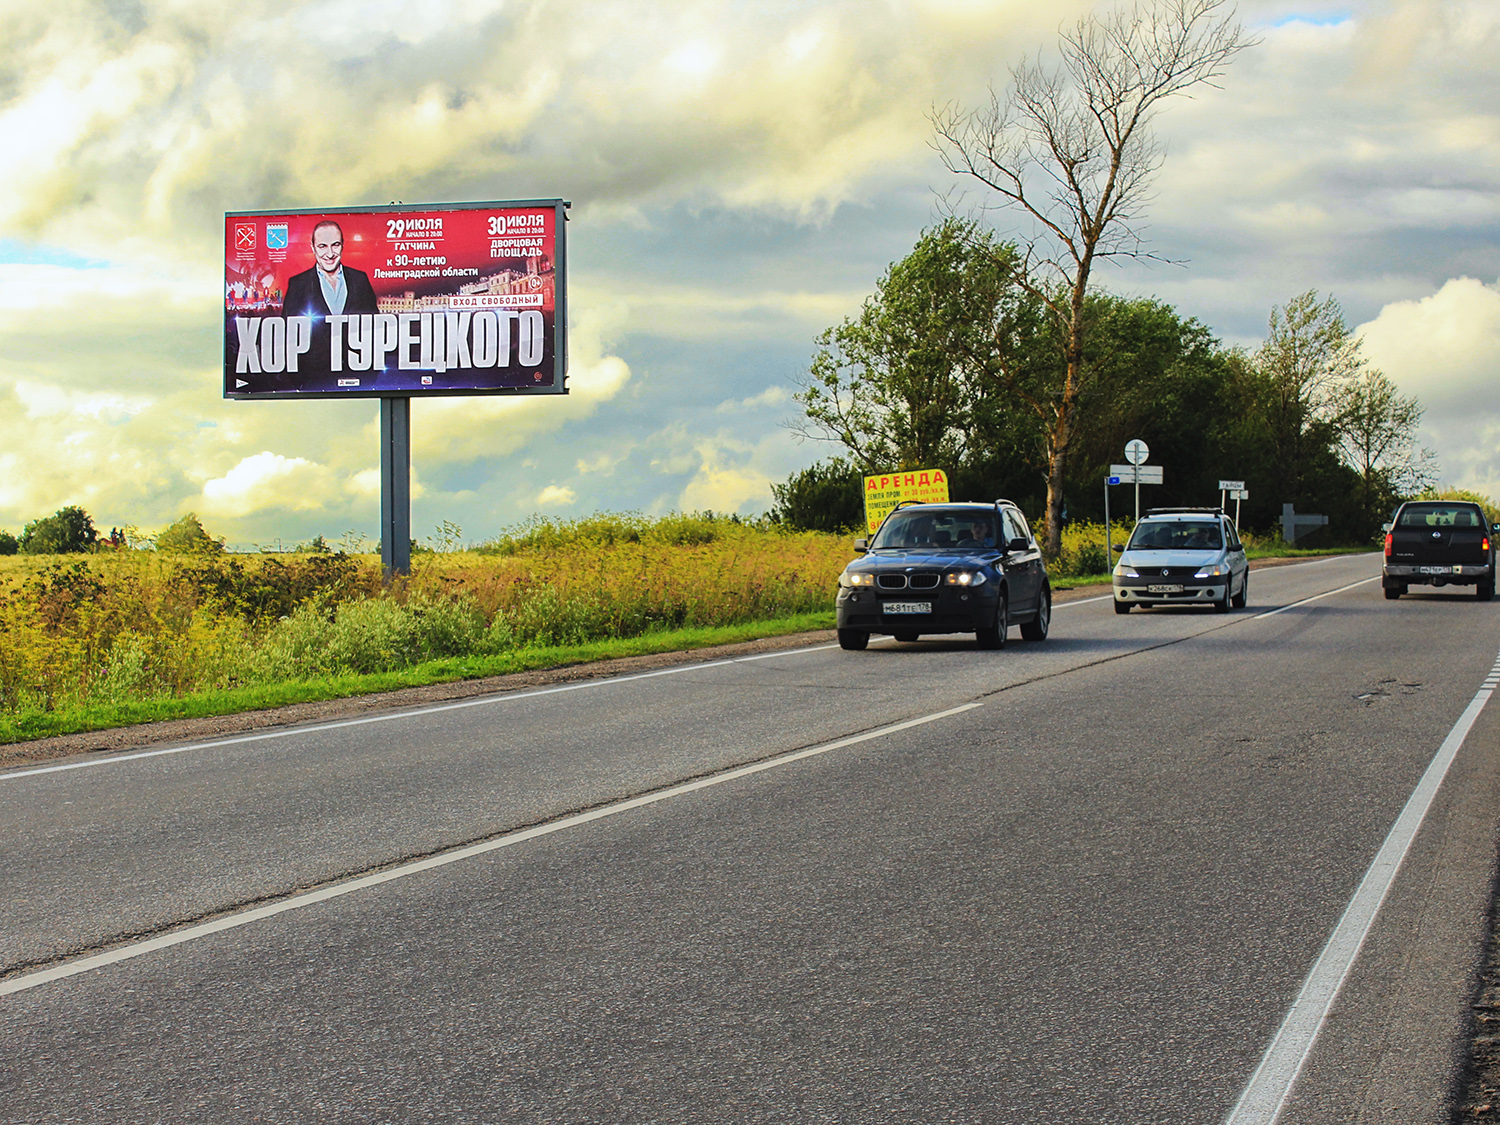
(369, 635)
(1084, 551)
(188, 537)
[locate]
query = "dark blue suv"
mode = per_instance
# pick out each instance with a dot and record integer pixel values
(946, 568)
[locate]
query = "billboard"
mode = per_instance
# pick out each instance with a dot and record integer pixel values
(437, 299)
(885, 490)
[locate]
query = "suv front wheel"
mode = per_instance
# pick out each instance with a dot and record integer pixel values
(854, 639)
(1036, 628)
(994, 637)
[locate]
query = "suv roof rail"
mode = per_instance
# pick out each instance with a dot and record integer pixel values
(1185, 512)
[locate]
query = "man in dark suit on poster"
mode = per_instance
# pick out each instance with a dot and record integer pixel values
(329, 287)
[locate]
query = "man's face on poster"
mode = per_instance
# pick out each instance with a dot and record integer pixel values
(328, 247)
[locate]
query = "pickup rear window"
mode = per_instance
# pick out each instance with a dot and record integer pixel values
(1440, 515)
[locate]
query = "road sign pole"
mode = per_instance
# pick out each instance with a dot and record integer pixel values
(1109, 543)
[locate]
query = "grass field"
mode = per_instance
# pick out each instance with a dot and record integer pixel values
(109, 639)
(90, 641)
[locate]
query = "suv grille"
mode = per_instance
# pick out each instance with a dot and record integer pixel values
(923, 580)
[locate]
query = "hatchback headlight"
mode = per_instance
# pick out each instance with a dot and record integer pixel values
(1218, 570)
(964, 578)
(856, 578)
(1123, 571)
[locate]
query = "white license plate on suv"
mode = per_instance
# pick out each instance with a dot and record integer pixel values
(1177, 589)
(908, 607)
(1440, 570)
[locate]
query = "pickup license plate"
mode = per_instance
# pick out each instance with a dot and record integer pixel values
(908, 607)
(1440, 570)
(1164, 589)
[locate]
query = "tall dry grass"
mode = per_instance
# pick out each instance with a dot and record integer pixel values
(112, 628)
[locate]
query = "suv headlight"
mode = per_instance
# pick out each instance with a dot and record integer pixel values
(1123, 571)
(1218, 570)
(856, 578)
(964, 578)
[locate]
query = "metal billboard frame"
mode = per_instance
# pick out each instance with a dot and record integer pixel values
(395, 405)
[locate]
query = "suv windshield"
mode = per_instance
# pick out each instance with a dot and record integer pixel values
(1177, 535)
(920, 529)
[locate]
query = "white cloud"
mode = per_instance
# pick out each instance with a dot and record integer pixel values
(268, 480)
(729, 473)
(556, 496)
(771, 396)
(454, 429)
(366, 484)
(41, 400)
(1445, 350)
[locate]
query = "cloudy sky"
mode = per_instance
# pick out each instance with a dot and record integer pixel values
(741, 172)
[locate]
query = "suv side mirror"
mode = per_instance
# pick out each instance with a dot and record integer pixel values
(1118, 548)
(861, 546)
(1019, 543)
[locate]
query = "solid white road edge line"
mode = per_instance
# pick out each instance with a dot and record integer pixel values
(1270, 1087)
(192, 933)
(483, 701)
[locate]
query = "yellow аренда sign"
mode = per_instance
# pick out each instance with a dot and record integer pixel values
(885, 490)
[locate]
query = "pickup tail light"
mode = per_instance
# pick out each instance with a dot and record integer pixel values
(1388, 538)
(1486, 543)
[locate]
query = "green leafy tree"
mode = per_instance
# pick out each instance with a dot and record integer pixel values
(1157, 376)
(188, 537)
(895, 386)
(67, 531)
(827, 496)
(1309, 353)
(1377, 427)
(1070, 150)
(9, 544)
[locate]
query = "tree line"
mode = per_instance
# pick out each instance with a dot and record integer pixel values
(952, 363)
(71, 530)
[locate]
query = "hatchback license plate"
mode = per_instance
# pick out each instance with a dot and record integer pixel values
(908, 607)
(1163, 589)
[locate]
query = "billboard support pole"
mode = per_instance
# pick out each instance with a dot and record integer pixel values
(395, 485)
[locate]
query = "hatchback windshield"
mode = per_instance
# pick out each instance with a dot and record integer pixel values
(938, 531)
(1178, 535)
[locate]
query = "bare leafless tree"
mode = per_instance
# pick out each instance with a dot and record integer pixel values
(1070, 146)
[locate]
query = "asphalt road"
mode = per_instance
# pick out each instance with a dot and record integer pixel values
(1081, 880)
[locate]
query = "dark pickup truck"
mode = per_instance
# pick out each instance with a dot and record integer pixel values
(1440, 543)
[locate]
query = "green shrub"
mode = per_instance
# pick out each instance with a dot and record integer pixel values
(369, 635)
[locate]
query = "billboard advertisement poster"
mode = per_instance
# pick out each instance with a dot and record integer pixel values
(885, 490)
(435, 299)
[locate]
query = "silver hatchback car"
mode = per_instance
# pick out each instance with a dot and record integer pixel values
(1182, 556)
